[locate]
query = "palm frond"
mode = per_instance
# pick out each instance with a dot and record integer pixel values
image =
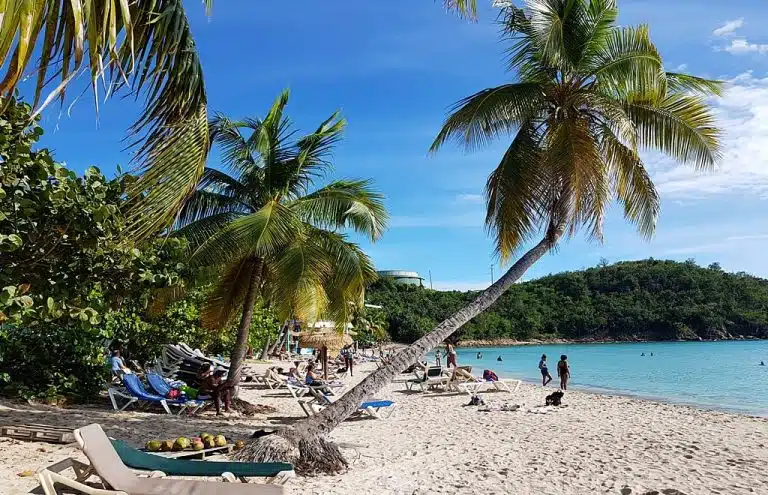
(627, 62)
(634, 187)
(573, 154)
(352, 272)
(477, 119)
(259, 234)
(515, 200)
(465, 8)
(229, 293)
(686, 83)
(682, 126)
(202, 230)
(599, 24)
(237, 153)
(299, 271)
(345, 204)
(312, 157)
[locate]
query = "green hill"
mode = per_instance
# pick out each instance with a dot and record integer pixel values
(638, 300)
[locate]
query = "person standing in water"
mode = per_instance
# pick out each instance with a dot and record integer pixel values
(545, 376)
(438, 361)
(563, 371)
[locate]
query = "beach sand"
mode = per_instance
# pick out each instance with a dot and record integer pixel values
(597, 444)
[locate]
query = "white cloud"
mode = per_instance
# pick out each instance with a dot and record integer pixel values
(729, 27)
(470, 198)
(681, 68)
(742, 46)
(743, 114)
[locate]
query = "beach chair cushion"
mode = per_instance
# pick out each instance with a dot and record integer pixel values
(377, 404)
(144, 461)
(157, 384)
(134, 386)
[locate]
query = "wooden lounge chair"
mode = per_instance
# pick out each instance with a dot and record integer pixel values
(117, 479)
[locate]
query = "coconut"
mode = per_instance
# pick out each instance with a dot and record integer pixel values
(220, 440)
(239, 445)
(181, 443)
(198, 445)
(209, 442)
(153, 445)
(205, 434)
(166, 445)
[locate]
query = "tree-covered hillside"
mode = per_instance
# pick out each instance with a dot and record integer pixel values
(648, 300)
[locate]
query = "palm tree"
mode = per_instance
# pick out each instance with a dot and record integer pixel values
(268, 236)
(590, 95)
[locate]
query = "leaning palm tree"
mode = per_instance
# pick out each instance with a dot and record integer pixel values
(590, 95)
(268, 236)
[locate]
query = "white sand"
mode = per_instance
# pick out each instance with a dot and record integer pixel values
(597, 444)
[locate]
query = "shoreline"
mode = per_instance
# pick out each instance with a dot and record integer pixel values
(533, 342)
(610, 392)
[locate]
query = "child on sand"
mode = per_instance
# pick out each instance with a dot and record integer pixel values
(563, 371)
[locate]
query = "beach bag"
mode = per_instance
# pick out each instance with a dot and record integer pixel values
(490, 376)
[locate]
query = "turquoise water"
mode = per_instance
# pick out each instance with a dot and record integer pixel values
(719, 375)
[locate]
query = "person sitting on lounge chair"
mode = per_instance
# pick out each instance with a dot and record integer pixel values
(118, 364)
(313, 379)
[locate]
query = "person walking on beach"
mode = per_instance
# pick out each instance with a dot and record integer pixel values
(563, 371)
(438, 359)
(451, 355)
(545, 376)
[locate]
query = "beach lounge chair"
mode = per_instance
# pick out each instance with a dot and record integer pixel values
(379, 409)
(118, 479)
(481, 385)
(136, 393)
(275, 472)
(432, 379)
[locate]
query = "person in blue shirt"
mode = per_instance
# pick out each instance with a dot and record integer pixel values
(118, 365)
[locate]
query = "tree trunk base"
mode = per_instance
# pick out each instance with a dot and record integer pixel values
(308, 455)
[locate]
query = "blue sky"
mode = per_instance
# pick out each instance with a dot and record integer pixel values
(393, 68)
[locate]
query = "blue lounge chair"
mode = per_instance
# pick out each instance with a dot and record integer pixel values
(137, 393)
(379, 409)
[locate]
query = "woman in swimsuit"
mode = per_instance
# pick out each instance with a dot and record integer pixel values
(563, 371)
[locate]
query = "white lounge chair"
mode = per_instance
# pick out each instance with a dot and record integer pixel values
(117, 479)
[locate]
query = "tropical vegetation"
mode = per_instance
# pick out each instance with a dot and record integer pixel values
(637, 300)
(267, 236)
(588, 96)
(70, 283)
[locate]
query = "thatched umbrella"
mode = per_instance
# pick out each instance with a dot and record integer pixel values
(328, 340)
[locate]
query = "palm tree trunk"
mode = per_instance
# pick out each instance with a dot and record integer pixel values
(304, 444)
(241, 344)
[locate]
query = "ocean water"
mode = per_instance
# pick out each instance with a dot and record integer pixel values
(716, 375)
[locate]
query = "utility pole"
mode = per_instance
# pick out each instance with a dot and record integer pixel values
(430, 279)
